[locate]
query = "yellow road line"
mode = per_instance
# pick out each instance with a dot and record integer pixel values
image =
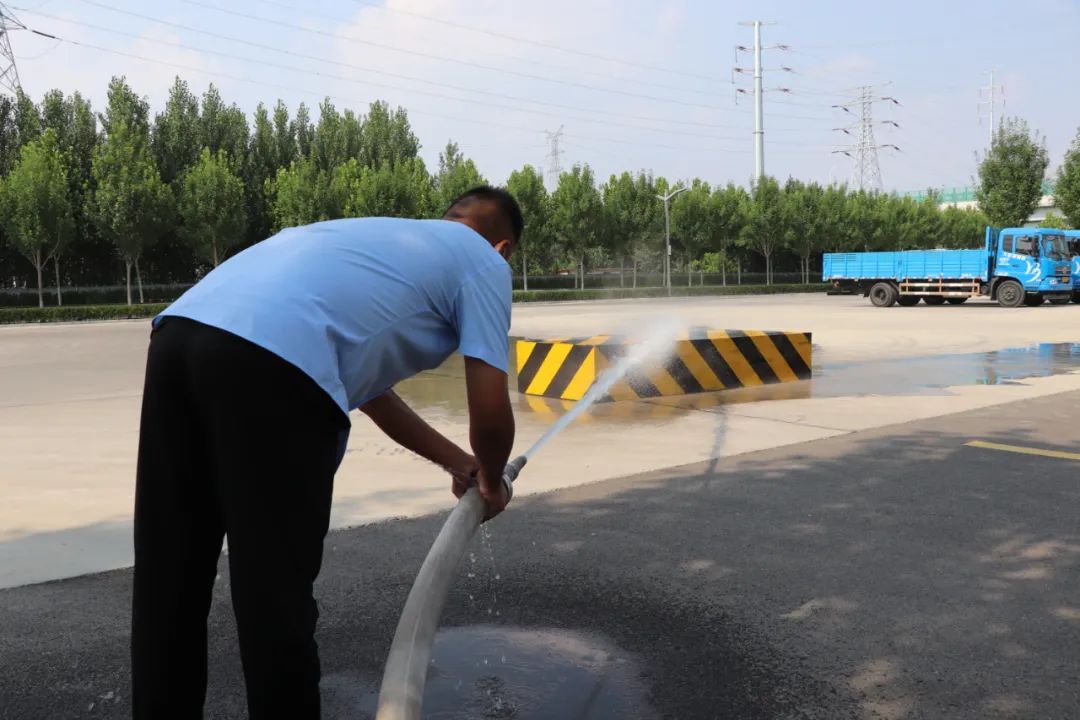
(1020, 449)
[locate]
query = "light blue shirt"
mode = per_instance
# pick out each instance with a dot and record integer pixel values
(361, 304)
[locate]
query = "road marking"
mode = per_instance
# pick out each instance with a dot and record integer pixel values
(1020, 449)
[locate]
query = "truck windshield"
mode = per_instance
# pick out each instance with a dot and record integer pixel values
(1056, 247)
(1074, 246)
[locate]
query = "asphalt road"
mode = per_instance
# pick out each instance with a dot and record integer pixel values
(894, 573)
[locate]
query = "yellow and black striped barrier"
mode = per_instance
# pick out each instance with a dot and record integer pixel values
(702, 361)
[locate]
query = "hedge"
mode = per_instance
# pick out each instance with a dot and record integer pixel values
(73, 313)
(125, 312)
(659, 292)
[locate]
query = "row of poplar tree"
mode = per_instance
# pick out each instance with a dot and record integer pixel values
(105, 198)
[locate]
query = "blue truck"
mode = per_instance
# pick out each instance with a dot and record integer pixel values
(1016, 266)
(1072, 238)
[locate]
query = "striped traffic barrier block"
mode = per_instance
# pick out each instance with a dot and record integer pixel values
(702, 361)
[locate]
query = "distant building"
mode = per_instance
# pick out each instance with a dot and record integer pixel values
(964, 198)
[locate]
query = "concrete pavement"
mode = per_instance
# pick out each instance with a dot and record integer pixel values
(69, 401)
(891, 573)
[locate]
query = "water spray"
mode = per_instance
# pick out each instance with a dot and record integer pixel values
(402, 691)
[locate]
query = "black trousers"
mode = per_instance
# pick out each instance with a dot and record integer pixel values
(234, 442)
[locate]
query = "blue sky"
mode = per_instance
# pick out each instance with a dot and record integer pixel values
(636, 84)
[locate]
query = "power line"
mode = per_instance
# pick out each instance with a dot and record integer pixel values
(444, 58)
(400, 76)
(468, 120)
(441, 96)
(637, 80)
(230, 56)
(536, 43)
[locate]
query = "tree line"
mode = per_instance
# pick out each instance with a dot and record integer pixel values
(120, 197)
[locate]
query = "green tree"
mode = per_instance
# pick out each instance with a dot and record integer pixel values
(386, 137)
(261, 165)
(130, 206)
(27, 118)
(212, 206)
(299, 194)
(36, 207)
(123, 106)
(1055, 221)
(765, 229)
(633, 219)
(693, 222)
(75, 125)
(807, 223)
(1011, 174)
(527, 187)
(1067, 190)
(176, 136)
(402, 190)
(457, 174)
(284, 136)
(576, 210)
(302, 131)
(9, 135)
(222, 127)
(328, 142)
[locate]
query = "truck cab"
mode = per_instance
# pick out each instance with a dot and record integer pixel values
(1037, 258)
(1072, 240)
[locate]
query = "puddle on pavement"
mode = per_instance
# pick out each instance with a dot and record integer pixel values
(933, 374)
(502, 673)
(441, 392)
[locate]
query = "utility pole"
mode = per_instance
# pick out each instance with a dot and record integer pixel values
(866, 170)
(554, 157)
(759, 127)
(759, 91)
(991, 103)
(9, 74)
(667, 235)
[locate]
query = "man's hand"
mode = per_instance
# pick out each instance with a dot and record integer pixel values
(494, 494)
(463, 474)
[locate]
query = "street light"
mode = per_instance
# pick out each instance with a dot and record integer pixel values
(667, 234)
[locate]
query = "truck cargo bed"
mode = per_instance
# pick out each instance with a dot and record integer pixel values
(920, 264)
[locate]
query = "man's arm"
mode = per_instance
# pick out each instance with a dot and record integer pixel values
(491, 429)
(390, 413)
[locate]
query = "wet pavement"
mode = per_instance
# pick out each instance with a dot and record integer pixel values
(439, 394)
(895, 573)
(492, 672)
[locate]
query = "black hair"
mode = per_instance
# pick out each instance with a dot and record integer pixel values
(506, 203)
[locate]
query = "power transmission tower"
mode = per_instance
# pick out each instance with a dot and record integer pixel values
(759, 91)
(991, 95)
(9, 74)
(554, 156)
(866, 170)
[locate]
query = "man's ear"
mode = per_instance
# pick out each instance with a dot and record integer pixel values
(503, 247)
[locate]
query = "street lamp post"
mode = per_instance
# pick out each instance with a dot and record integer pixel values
(667, 234)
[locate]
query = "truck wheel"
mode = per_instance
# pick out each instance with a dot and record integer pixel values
(883, 295)
(1010, 294)
(934, 300)
(907, 300)
(1060, 301)
(956, 301)
(1034, 300)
